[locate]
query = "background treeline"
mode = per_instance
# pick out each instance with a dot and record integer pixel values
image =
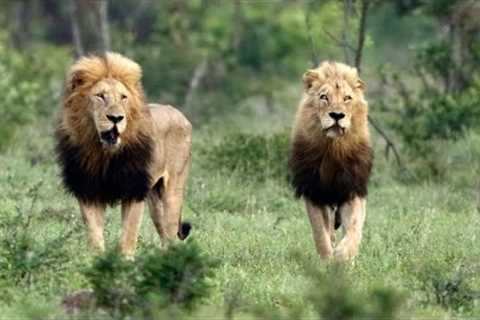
(215, 59)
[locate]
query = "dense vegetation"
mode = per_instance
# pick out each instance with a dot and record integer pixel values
(235, 70)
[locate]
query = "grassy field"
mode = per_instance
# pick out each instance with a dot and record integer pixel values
(420, 241)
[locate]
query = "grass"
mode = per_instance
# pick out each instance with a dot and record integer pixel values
(420, 240)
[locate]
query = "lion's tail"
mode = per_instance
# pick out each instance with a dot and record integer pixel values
(184, 230)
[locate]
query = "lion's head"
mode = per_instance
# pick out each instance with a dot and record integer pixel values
(103, 101)
(333, 104)
(104, 134)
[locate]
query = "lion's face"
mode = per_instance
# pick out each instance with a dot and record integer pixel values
(333, 102)
(104, 102)
(108, 107)
(334, 96)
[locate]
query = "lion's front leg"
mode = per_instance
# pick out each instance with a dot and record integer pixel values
(322, 227)
(93, 216)
(132, 213)
(353, 217)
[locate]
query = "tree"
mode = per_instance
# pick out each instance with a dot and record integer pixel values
(90, 29)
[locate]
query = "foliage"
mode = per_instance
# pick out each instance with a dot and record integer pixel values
(451, 288)
(23, 258)
(158, 279)
(30, 86)
(255, 156)
(332, 296)
(111, 277)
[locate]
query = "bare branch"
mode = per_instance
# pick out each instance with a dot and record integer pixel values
(338, 42)
(390, 144)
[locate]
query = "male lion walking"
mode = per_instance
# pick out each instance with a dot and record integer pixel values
(114, 148)
(331, 157)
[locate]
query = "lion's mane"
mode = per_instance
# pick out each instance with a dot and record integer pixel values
(327, 176)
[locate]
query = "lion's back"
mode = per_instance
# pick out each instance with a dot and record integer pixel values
(168, 118)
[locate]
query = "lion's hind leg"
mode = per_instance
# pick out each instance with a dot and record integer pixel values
(155, 205)
(322, 223)
(173, 203)
(353, 217)
(165, 204)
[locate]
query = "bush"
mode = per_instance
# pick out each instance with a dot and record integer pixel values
(23, 258)
(111, 277)
(158, 280)
(333, 296)
(439, 117)
(450, 289)
(258, 157)
(30, 86)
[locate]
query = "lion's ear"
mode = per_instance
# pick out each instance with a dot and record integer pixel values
(360, 85)
(75, 80)
(309, 77)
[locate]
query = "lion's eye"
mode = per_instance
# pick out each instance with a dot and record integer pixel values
(324, 97)
(101, 96)
(347, 98)
(123, 97)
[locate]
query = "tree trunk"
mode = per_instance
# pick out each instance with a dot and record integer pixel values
(198, 74)
(361, 33)
(90, 27)
(21, 23)
(238, 25)
(347, 12)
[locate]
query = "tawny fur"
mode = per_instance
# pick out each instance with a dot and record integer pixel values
(151, 162)
(330, 168)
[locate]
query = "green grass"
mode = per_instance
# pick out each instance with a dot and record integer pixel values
(421, 239)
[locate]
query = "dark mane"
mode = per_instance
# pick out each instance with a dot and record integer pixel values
(121, 176)
(325, 177)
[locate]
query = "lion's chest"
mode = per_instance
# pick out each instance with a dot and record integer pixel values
(115, 183)
(330, 182)
(124, 177)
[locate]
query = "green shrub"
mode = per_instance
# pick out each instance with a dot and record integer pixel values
(180, 274)
(30, 86)
(439, 117)
(333, 295)
(450, 289)
(112, 278)
(178, 277)
(258, 157)
(23, 258)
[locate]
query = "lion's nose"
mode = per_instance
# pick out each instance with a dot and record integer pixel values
(337, 115)
(115, 119)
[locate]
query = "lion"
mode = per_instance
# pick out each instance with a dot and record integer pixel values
(331, 157)
(114, 148)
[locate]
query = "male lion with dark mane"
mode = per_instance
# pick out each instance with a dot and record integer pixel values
(114, 148)
(331, 157)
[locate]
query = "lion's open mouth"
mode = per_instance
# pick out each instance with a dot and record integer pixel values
(335, 130)
(110, 137)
